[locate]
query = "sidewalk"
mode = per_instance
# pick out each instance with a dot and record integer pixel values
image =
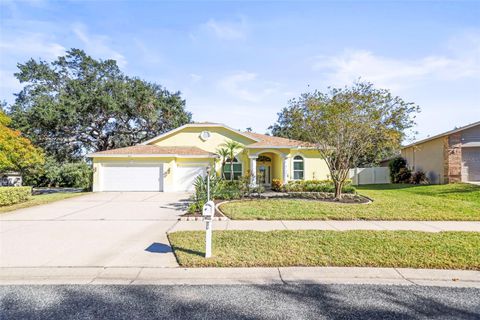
(336, 225)
(228, 276)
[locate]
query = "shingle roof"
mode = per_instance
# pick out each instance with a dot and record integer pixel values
(271, 141)
(153, 150)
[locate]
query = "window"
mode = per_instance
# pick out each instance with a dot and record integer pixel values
(237, 169)
(298, 168)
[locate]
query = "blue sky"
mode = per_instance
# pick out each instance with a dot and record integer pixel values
(240, 62)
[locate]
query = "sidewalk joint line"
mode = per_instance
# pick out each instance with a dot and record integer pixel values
(404, 278)
(283, 223)
(280, 275)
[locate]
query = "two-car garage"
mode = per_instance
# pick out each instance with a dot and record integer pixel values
(149, 168)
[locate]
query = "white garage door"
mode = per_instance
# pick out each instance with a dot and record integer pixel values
(471, 164)
(185, 176)
(132, 177)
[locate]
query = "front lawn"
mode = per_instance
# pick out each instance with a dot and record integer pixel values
(40, 199)
(445, 250)
(391, 202)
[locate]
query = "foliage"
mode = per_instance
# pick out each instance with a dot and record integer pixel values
(452, 202)
(276, 185)
(16, 152)
(76, 104)
(221, 189)
(232, 147)
(419, 177)
(223, 153)
(359, 248)
(347, 124)
(316, 186)
(53, 174)
(399, 172)
(13, 195)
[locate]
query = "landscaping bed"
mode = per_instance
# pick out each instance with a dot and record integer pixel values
(454, 202)
(359, 248)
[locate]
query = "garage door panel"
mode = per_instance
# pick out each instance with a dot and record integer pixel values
(185, 176)
(471, 164)
(132, 177)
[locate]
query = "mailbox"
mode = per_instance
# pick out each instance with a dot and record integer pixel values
(208, 209)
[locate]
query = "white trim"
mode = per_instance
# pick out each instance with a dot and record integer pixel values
(293, 166)
(93, 155)
(198, 125)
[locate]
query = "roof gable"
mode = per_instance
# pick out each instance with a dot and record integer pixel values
(205, 125)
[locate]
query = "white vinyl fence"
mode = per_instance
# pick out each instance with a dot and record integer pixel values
(369, 175)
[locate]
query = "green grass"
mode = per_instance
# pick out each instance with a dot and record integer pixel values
(40, 199)
(445, 250)
(391, 202)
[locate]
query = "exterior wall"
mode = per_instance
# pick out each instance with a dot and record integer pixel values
(315, 168)
(191, 137)
(428, 157)
(471, 136)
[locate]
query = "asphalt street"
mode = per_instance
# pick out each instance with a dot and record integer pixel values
(238, 302)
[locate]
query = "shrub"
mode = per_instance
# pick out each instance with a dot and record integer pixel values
(316, 186)
(399, 172)
(12, 195)
(276, 185)
(419, 177)
(68, 175)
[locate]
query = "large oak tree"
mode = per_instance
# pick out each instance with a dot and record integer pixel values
(348, 125)
(77, 104)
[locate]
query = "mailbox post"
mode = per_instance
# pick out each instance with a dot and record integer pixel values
(208, 212)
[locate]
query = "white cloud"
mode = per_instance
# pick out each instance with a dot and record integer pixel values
(195, 77)
(246, 86)
(97, 45)
(223, 30)
(393, 73)
(31, 44)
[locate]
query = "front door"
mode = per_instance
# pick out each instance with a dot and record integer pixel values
(264, 176)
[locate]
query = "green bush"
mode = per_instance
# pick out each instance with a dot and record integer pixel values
(67, 175)
(399, 172)
(276, 185)
(316, 186)
(419, 177)
(13, 195)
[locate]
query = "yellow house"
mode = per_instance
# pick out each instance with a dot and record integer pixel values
(172, 161)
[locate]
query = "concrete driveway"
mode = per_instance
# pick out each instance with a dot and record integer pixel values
(110, 229)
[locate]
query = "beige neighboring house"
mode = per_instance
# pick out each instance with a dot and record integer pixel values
(453, 156)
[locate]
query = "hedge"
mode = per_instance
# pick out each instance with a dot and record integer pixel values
(12, 195)
(316, 186)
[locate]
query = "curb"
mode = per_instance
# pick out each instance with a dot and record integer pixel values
(235, 276)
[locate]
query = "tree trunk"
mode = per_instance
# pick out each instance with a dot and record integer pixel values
(231, 170)
(338, 190)
(223, 170)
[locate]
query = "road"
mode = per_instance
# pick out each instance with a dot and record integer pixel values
(238, 302)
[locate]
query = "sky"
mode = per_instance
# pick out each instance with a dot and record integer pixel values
(239, 63)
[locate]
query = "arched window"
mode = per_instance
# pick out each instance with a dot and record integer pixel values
(237, 169)
(298, 168)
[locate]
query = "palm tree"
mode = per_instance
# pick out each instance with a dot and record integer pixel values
(223, 153)
(232, 147)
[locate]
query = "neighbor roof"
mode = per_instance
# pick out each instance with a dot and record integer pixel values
(266, 141)
(468, 126)
(154, 150)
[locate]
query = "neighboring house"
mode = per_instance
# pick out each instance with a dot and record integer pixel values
(453, 156)
(172, 161)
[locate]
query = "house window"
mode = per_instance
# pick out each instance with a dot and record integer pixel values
(237, 169)
(298, 168)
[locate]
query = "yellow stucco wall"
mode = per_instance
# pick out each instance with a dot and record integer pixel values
(190, 136)
(428, 157)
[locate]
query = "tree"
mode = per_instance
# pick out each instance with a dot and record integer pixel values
(232, 147)
(345, 124)
(16, 152)
(76, 104)
(223, 153)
